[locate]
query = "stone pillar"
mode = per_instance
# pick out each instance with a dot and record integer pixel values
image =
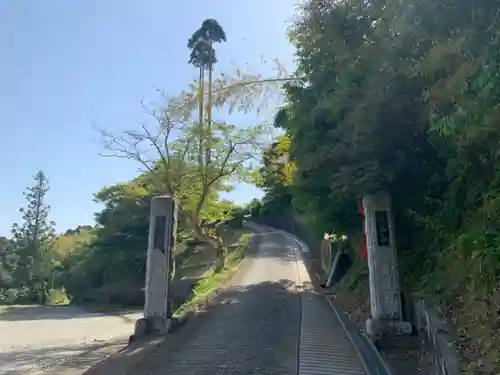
(161, 240)
(385, 297)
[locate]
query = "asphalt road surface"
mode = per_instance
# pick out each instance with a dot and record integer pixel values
(35, 338)
(267, 322)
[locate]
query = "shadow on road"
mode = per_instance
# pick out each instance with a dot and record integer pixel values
(246, 330)
(30, 313)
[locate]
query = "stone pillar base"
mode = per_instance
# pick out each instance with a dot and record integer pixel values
(147, 326)
(378, 328)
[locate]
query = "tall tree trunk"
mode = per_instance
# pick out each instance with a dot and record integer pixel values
(36, 229)
(209, 107)
(215, 242)
(221, 255)
(37, 212)
(201, 93)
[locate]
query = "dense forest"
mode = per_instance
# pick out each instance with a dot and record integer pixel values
(402, 96)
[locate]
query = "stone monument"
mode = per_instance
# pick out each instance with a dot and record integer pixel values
(161, 240)
(385, 297)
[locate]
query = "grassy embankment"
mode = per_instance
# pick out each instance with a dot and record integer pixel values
(210, 281)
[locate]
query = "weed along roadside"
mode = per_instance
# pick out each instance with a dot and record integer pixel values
(199, 290)
(211, 283)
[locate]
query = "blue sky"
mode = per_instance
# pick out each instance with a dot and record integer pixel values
(66, 65)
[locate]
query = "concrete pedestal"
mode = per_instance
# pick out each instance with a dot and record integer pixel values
(385, 297)
(161, 240)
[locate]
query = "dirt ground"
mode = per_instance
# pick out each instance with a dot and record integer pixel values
(35, 338)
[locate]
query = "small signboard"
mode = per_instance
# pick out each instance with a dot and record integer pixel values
(159, 233)
(382, 228)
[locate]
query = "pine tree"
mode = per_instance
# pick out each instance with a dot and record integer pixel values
(33, 239)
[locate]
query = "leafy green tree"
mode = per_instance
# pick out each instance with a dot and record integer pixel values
(8, 262)
(254, 207)
(108, 261)
(116, 251)
(403, 96)
(3, 243)
(277, 175)
(168, 150)
(33, 239)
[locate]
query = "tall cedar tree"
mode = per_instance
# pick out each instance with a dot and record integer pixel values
(32, 240)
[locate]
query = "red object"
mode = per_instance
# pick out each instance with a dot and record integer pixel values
(361, 208)
(364, 249)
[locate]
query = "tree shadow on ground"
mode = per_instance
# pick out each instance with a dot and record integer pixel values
(19, 313)
(245, 329)
(74, 357)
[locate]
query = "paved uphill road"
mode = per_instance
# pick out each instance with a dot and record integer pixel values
(34, 338)
(268, 322)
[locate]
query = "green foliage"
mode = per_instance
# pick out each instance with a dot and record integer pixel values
(201, 44)
(387, 105)
(254, 207)
(10, 296)
(73, 240)
(211, 280)
(106, 259)
(27, 263)
(117, 251)
(402, 96)
(276, 175)
(100, 260)
(169, 150)
(57, 297)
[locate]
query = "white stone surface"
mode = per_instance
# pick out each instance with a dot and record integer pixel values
(385, 297)
(157, 276)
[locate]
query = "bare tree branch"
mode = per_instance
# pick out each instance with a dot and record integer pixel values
(168, 152)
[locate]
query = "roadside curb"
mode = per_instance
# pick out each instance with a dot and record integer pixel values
(369, 356)
(209, 301)
(212, 299)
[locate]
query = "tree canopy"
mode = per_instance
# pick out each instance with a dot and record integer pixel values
(402, 96)
(27, 258)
